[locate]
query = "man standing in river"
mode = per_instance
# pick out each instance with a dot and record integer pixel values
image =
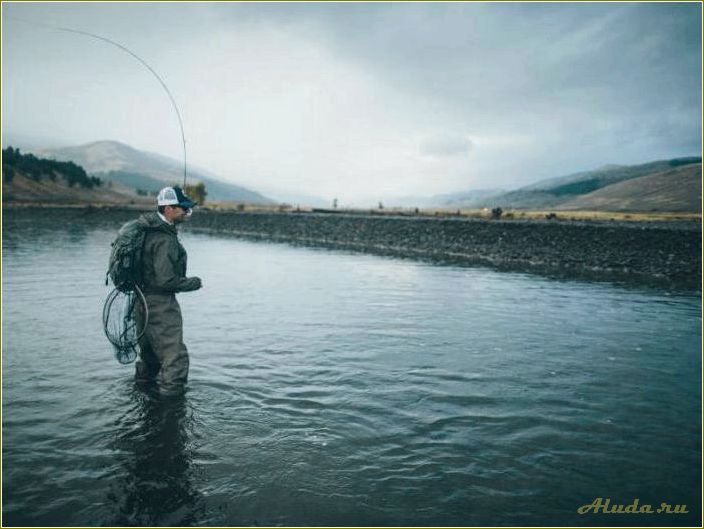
(163, 357)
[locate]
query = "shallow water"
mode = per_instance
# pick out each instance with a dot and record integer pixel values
(331, 388)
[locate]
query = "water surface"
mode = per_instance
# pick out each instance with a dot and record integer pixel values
(330, 388)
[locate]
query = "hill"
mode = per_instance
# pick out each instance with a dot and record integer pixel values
(462, 199)
(27, 178)
(676, 190)
(146, 171)
(565, 192)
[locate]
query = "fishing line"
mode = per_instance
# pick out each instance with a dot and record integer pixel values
(134, 55)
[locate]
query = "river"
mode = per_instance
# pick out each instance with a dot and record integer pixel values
(337, 388)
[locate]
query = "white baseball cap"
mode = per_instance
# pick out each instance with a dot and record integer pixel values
(174, 196)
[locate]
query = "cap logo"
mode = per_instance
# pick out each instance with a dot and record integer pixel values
(167, 197)
(172, 196)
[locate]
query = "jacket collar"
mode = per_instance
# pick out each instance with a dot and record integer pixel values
(153, 221)
(165, 219)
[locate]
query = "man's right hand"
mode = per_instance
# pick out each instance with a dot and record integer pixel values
(191, 283)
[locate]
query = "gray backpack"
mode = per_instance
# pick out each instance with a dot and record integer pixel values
(125, 265)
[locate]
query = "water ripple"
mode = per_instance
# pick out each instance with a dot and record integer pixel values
(333, 389)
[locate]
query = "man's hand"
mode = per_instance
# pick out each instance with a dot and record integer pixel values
(189, 284)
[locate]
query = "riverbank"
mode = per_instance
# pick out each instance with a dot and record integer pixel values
(619, 250)
(661, 252)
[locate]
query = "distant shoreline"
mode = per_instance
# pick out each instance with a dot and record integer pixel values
(662, 253)
(485, 214)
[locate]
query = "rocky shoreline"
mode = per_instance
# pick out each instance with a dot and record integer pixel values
(662, 254)
(641, 251)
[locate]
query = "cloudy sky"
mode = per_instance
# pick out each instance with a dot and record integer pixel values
(363, 101)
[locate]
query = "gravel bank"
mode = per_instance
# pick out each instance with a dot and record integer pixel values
(661, 252)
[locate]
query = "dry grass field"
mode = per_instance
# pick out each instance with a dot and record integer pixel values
(620, 216)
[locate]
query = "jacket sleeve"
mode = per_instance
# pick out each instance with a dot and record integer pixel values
(167, 275)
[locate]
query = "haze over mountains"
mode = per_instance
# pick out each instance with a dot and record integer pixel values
(125, 165)
(665, 185)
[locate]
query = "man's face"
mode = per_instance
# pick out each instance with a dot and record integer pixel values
(176, 214)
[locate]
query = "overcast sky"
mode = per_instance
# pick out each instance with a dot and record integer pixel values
(363, 101)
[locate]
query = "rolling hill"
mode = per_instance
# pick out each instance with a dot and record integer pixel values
(26, 178)
(462, 199)
(676, 190)
(130, 167)
(653, 186)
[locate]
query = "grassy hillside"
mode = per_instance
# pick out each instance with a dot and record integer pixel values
(142, 184)
(117, 162)
(27, 178)
(564, 192)
(676, 190)
(611, 174)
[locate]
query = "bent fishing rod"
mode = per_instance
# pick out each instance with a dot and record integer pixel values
(135, 56)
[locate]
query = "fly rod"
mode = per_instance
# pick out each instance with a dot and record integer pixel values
(142, 61)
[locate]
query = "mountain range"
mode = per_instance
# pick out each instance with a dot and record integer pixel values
(145, 171)
(673, 185)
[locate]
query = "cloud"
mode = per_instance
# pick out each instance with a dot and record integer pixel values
(445, 145)
(355, 99)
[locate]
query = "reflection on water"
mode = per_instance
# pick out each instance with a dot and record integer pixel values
(155, 484)
(333, 389)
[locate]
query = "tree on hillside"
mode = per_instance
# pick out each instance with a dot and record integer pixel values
(38, 168)
(8, 173)
(197, 192)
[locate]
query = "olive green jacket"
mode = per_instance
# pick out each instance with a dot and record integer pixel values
(164, 259)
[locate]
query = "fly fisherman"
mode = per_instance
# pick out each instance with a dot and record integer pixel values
(163, 355)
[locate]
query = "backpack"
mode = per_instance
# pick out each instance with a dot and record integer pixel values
(125, 265)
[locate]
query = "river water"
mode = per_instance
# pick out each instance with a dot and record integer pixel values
(333, 388)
